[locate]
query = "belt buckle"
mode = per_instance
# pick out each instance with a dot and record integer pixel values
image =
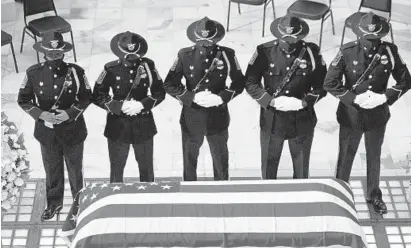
(48, 124)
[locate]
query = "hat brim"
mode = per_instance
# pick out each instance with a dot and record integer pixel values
(117, 51)
(274, 29)
(385, 29)
(67, 47)
(219, 36)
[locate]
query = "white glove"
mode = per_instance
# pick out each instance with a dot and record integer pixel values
(361, 98)
(373, 101)
(210, 100)
(285, 103)
(132, 107)
(200, 96)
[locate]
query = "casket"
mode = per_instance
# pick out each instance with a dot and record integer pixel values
(270, 213)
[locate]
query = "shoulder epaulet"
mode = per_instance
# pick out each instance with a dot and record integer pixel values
(34, 67)
(312, 45)
(186, 50)
(147, 60)
(349, 45)
(226, 49)
(270, 44)
(75, 66)
(112, 64)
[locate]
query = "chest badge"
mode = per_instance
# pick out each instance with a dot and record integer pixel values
(191, 67)
(220, 64)
(272, 65)
(117, 78)
(355, 62)
(384, 59)
(303, 64)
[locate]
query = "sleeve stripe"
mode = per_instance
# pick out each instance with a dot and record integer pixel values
(107, 103)
(76, 78)
(391, 57)
(345, 93)
(262, 96)
(399, 95)
(232, 93)
(317, 96)
(228, 65)
(310, 52)
(155, 101)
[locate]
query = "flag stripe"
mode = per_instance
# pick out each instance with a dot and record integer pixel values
(244, 225)
(218, 210)
(269, 188)
(216, 198)
(306, 240)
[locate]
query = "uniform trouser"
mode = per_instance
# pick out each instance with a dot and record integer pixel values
(272, 147)
(118, 153)
(53, 160)
(218, 149)
(348, 144)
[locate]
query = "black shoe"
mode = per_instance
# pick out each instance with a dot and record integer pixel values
(50, 211)
(378, 205)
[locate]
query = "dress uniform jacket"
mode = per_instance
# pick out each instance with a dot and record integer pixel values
(351, 62)
(39, 91)
(272, 63)
(119, 76)
(192, 63)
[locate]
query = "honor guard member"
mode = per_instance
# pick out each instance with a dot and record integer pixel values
(366, 65)
(56, 94)
(137, 88)
(293, 71)
(205, 67)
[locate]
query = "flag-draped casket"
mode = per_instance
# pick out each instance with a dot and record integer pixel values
(276, 213)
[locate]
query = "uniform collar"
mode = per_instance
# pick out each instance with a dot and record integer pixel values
(290, 49)
(130, 64)
(206, 51)
(55, 65)
(368, 46)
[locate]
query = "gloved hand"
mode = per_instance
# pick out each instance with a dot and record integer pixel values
(132, 107)
(361, 98)
(285, 103)
(210, 100)
(374, 100)
(62, 115)
(200, 96)
(49, 117)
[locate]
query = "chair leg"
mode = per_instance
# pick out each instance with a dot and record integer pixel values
(392, 33)
(22, 39)
(228, 15)
(35, 40)
(342, 36)
(321, 32)
(239, 9)
(74, 47)
(14, 57)
(265, 7)
(332, 21)
(272, 3)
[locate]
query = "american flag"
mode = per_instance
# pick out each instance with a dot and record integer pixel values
(270, 213)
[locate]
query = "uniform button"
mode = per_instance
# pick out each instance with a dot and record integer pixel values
(201, 52)
(191, 75)
(288, 55)
(42, 64)
(55, 97)
(211, 52)
(55, 75)
(206, 60)
(118, 87)
(303, 73)
(369, 87)
(271, 73)
(370, 76)
(370, 55)
(131, 71)
(41, 92)
(365, 48)
(58, 68)
(207, 80)
(70, 91)
(287, 91)
(354, 71)
(374, 48)
(221, 75)
(55, 86)
(385, 70)
(117, 78)
(131, 80)
(41, 83)
(288, 68)
(125, 65)
(206, 70)
(50, 67)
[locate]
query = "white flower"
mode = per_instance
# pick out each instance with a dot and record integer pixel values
(15, 191)
(13, 199)
(19, 181)
(18, 173)
(9, 186)
(4, 195)
(6, 205)
(3, 183)
(11, 177)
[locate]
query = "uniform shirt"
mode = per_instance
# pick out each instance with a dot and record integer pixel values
(193, 63)
(351, 62)
(271, 63)
(40, 90)
(118, 76)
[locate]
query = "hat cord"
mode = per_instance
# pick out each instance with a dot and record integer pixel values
(289, 35)
(370, 33)
(207, 39)
(53, 49)
(127, 52)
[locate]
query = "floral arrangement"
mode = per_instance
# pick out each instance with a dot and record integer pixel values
(14, 163)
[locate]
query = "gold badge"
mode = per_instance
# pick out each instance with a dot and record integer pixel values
(303, 64)
(118, 78)
(131, 47)
(355, 62)
(204, 33)
(54, 43)
(289, 30)
(191, 67)
(384, 59)
(272, 65)
(371, 27)
(220, 64)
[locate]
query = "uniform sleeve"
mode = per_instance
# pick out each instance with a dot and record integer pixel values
(26, 98)
(84, 94)
(253, 78)
(401, 75)
(101, 96)
(333, 81)
(173, 85)
(156, 87)
(236, 76)
(317, 77)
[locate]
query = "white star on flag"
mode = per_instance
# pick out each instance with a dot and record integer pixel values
(142, 187)
(166, 187)
(116, 188)
(74, 218)
(93, 185)
(94, 196)
(84, 198)
(104, 186)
